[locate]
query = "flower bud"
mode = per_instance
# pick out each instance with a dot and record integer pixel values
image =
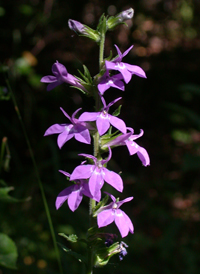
(114, 21)
(83, 30)
(126, 14)
(76, 26)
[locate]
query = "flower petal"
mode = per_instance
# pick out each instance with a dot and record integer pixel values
(143, 156)
(83, 136)
(56, 128)
(63, 196)
(48, 79)
(103, 124)
(118, 123)
(105, 217)
(63, 138)
(75, 198)
(89, 116)
(113, 179)
(82, 172)
(136, 70)
(123, 222)
(96, 181)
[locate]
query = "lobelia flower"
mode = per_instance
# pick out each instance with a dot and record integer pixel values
(103, 119)
(97, 174)
(73, 194)
(78, 130)
(133, 147)
(112, 213)
(61, 76)
(125, 69)
(107, 81)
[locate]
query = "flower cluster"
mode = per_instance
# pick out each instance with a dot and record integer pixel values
(89, 177)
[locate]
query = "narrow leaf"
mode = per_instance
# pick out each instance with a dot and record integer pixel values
(77, 256)
(5, 197)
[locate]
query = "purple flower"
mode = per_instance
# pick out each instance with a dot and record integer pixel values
(74, 194)
(97, 174)
(61, 76)
(107, 81)
(76, 26)
(125, 69)
(123, 251)
(112, 213)
(103, 119)
(133, 147)
(78, 130)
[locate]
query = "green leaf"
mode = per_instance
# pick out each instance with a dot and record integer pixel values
(4, 197)
(77, 256)
(99, 205)
(8, 252)
(71, 238)
(102, 22)
(87, 74)
(117, 111)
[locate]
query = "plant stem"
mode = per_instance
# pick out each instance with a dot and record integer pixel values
(92, 202)
(101, 50)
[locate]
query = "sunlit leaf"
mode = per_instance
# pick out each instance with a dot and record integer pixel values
(8, 252)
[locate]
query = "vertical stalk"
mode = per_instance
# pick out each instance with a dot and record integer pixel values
(92, 202)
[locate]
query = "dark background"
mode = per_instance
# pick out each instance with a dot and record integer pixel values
(166, 206)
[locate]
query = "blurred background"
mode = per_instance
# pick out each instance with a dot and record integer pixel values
(166, 206)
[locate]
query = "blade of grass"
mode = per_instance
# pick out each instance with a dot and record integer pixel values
(37, 176)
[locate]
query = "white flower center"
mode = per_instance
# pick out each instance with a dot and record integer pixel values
(120, 65)
(110, 82)
(114, 206)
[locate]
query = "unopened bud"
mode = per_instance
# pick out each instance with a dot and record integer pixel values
(114, 21)
(84, 30)
(126, 14)
(76, 26)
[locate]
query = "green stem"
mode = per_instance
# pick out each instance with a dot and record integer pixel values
(92, 202)
(101, 50)
(38, 178)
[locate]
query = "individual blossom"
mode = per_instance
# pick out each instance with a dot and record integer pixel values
(107, 81)
(97, 174)
(73, 194)
(78, 130)
(60, 76)
(103, 119)
(128, 140)
(125, 69)
(112, 213)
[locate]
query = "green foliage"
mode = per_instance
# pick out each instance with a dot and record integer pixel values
(5, 197)
(77, 256)
(8, 252)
